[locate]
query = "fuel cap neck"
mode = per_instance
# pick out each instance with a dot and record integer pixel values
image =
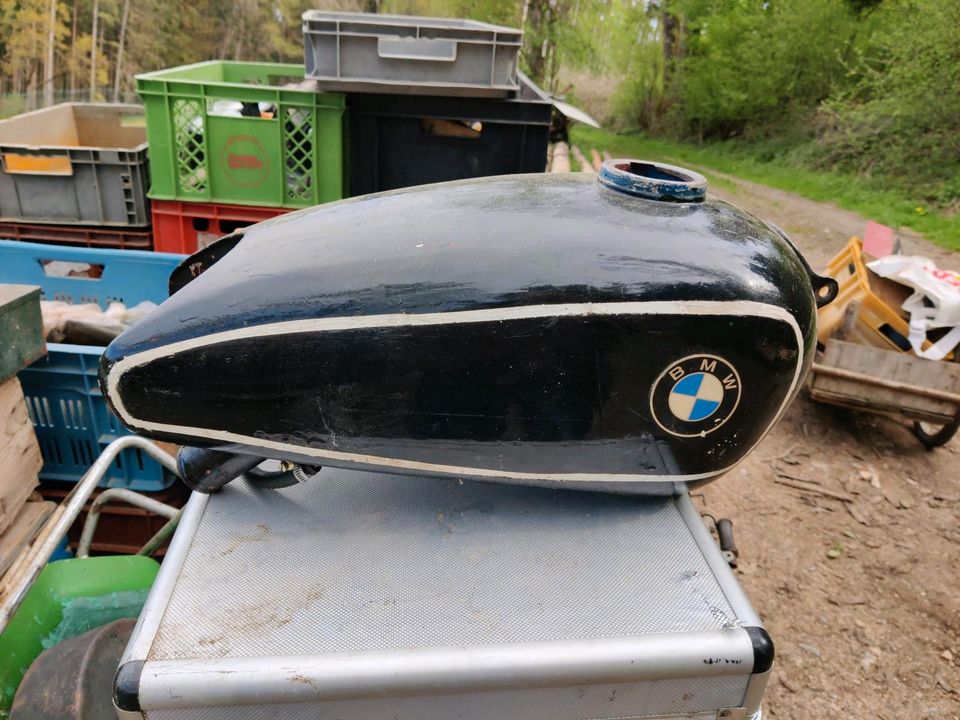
(654, 181)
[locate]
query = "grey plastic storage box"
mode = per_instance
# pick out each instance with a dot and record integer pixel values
(409, 55)
(75, 164)
(363, 596)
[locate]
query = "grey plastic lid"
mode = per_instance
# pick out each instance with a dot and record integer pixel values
(653, 180)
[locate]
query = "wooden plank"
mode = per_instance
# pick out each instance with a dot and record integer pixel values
(20, 458)
(893, 376)
(585, 165)
(24, 529)
(21, 328)
(560, 162)
(595, 159)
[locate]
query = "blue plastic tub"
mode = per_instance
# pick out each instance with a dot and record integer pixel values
(71, 419)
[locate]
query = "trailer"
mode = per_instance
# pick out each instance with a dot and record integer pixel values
(865, 360)
(891, 383)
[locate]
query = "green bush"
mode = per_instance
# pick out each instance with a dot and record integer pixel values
(901, 120)
(867, 88)
(757, 63)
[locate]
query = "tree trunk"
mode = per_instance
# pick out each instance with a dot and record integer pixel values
(48, 66)
(673, 45)
(117, 73)
(540, 24)
(93, 53)
(535, 26)
(73, 52)
(32, 77)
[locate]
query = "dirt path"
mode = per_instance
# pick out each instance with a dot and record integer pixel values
(875, 631)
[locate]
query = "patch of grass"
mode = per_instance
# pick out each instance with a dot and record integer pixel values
(865, 196)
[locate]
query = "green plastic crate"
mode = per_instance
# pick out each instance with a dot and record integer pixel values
(69, 598)
(201, 148)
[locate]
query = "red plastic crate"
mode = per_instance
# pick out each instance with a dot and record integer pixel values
(185, 227)
(94, 237)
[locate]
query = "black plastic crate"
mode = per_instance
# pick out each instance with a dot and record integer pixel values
(399, 141)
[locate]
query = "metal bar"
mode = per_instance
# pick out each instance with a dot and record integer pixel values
(156, 605)
(932, 393)
(124, 495)
(725, 578)
(161, 535)
(439, 670)
(24, 572)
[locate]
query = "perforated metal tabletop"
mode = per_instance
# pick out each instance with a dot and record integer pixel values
(361, 561)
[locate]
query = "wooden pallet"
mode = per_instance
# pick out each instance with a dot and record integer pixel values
(20, 458)
(22, 531)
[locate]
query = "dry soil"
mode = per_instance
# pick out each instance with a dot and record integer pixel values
(861, 598)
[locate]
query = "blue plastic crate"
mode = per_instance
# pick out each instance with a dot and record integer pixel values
(69, 414)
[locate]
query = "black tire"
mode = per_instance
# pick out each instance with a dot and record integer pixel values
(931, 438)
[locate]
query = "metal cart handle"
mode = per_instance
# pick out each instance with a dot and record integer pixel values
(133, 498)
(22, 574)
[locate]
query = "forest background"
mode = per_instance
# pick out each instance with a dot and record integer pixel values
(852, 101)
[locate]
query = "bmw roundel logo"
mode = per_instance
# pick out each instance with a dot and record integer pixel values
(695, 395)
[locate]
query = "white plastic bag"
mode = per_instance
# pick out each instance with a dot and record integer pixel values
(934, 304)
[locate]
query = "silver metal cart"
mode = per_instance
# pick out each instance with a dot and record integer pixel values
(368, 596)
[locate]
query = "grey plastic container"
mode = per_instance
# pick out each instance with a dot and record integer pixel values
(75, 164)
(407, 55)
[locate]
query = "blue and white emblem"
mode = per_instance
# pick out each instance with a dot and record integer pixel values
(695, 395)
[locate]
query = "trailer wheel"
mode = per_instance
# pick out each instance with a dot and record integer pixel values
(933, 436)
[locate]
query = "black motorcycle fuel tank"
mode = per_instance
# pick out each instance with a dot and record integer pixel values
(619, 333)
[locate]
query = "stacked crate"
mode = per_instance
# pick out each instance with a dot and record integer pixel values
(429, 99)
(234, 143)
(22, 513)
(420, 100)
(61, 397)
(76, 174)
(231, 144)
(70, 418)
